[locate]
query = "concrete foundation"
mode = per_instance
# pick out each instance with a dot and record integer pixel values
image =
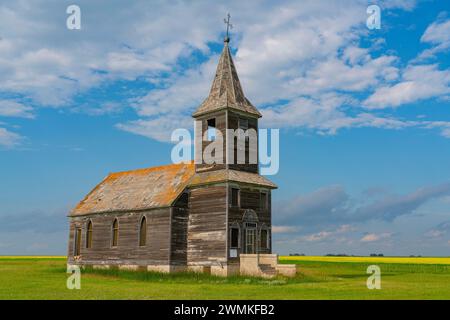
(249, 265)
(256, 265)
(287, 270)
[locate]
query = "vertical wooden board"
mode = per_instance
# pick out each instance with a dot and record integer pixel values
(207, 225)
(179, 232)
(233, 123)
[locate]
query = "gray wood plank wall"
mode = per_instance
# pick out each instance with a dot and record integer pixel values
(207, 225)
(233, 123)
(156, 250)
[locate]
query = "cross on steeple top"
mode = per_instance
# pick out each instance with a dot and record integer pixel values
(229, 27)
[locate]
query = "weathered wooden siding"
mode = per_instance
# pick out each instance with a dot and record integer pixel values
(220, 118)
(207, 225)
(180, 216)
(179, 236)
(233, 123)
(156, 250)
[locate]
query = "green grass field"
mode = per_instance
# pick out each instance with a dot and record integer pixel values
(318, 278)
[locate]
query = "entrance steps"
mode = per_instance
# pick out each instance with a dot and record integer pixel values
(264, 265)
(268, 270)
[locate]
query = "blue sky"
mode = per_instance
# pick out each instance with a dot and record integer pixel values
(364, 114)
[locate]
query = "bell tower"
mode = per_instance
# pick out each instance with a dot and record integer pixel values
(230, 215)
(226, 107)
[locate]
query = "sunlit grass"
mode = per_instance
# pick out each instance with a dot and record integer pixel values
(43, 277)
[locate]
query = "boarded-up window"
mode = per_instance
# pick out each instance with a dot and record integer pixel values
(77, 247)
(263, 201)
(234, 241)
(115, 233)
(89, 235)
(143, 232)
(235, 197)
(264, 239)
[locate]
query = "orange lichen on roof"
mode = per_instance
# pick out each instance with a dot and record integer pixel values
(137, 189)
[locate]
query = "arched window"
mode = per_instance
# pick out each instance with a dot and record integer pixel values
(115, 233)
(89, 235)
(77, 247)
(143, 232)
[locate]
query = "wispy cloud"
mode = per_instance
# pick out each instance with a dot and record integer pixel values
(418, 82)
(438, 35)
(373, 237)
(157, 128)
(340, 234)
(11, 108)
(439, 231)
(9, 139)
(333, 205)
(284, 229)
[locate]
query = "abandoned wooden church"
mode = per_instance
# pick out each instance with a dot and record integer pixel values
(199, 217)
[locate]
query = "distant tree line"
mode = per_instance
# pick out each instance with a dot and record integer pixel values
(347, 255)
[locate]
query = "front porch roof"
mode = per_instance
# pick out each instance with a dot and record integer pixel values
(226, 175)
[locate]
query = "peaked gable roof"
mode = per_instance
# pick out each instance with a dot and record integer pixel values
(155, 187)
(226, 90)
(137, 189)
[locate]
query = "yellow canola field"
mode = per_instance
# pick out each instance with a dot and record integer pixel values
(409, 260)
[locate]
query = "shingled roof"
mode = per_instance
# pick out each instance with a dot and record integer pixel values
(137, 189)
(155, 187)
(226, 90)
